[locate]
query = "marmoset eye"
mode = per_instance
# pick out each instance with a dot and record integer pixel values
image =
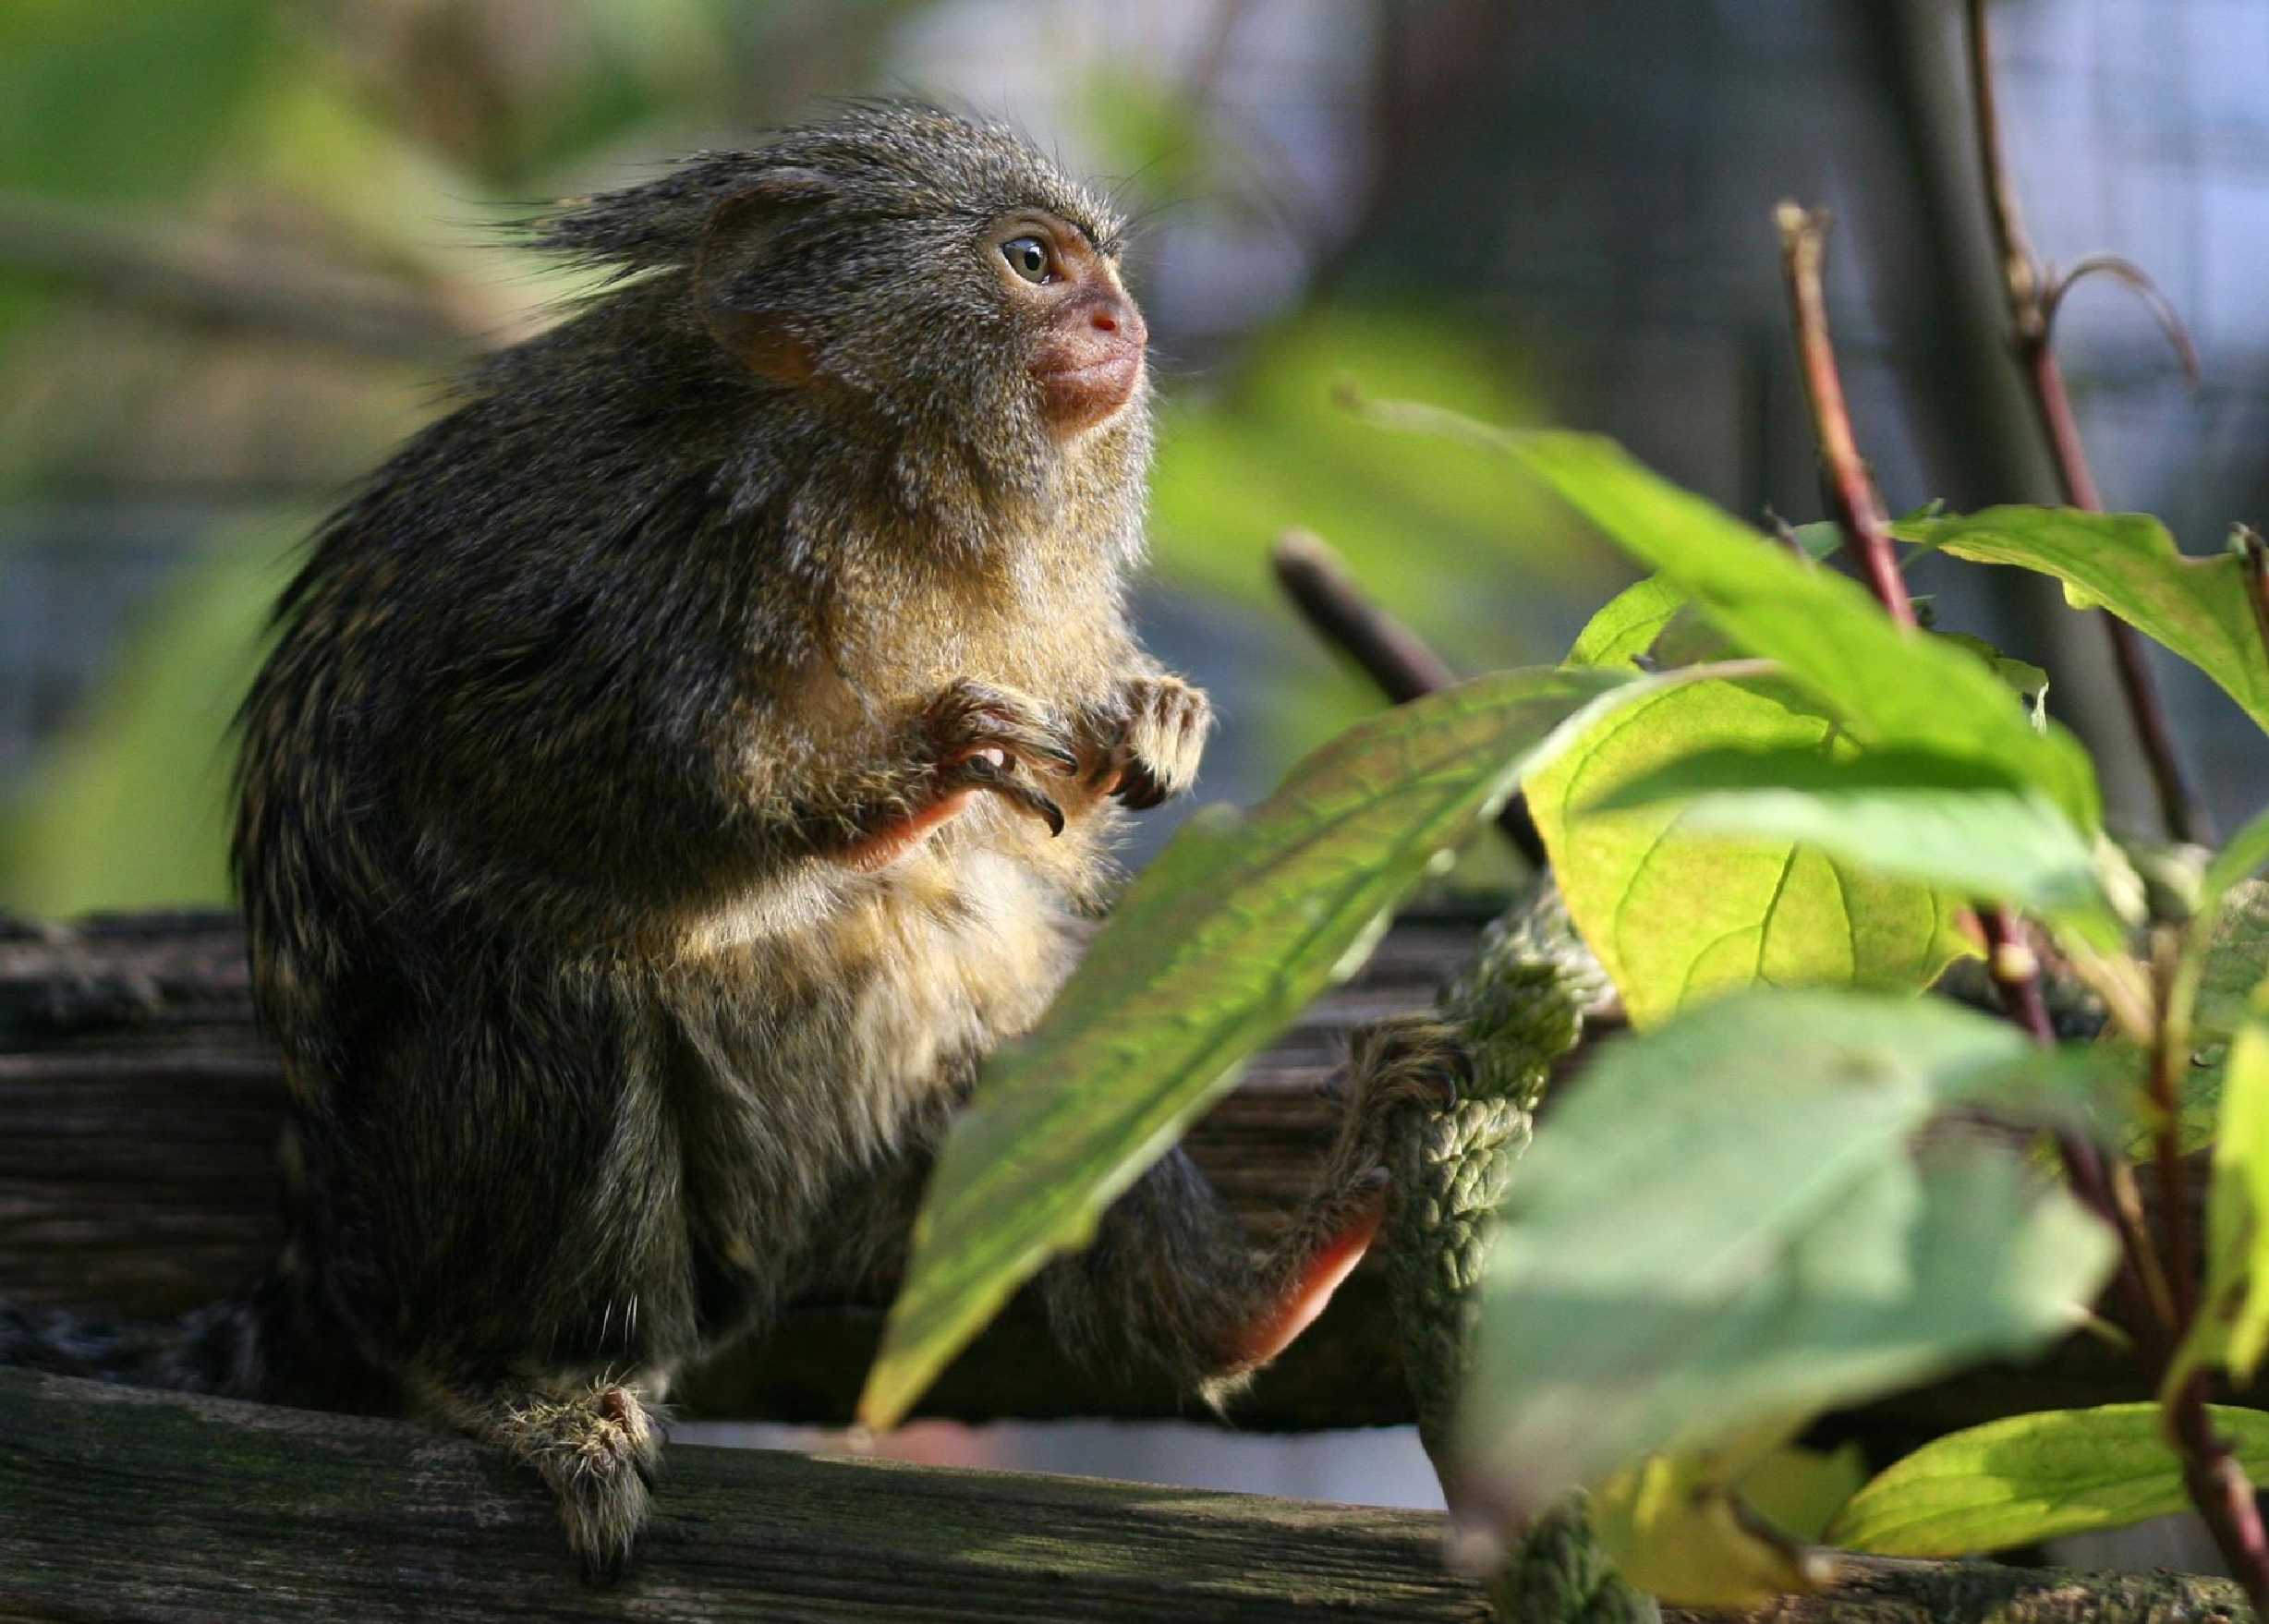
(1027, 256)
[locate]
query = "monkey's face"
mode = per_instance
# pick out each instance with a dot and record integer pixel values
(1084, 338)
(932, 283)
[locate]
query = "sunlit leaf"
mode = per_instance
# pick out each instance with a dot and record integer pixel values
(1946, 822)
(2128, 564)
(1676, 1527)
(1229, 934)
(1727, 1224)
(2034, 1477)
(1802, 1489)
(1628, 624)
(1675, 914)
(1886, 686)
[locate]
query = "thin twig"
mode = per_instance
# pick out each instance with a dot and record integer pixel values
(2150, 1306)
(2136, 280)
(2223, 1492)
(2010, 960)
(2217, 1484)
(1803, 240)
(1390, 654)
(2030, 305)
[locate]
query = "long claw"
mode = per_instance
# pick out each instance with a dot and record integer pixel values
(990, 774)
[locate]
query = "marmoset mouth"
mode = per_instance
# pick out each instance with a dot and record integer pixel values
(1081, 398)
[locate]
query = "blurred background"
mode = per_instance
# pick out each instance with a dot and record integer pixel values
(244, 244)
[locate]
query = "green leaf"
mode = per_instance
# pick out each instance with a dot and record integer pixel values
(1912, 815)
(2034, 1477)
(2229, 941)
(1889, 687)
(1676, 1527)
(2128, 564)
(1627, 625)
(1727, 1224)
(1675, 914)
(2027, 681)
(2245, 855)
(2232, 1324)
(1225, 938)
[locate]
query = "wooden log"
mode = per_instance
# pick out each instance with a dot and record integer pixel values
(137, 1108)
(126, 1505)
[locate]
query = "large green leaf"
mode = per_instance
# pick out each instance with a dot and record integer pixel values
(1888, 686)
(1675, 914)
(1912, 815)
(1228, 935)
(2128, 564)
(1728, 1224)
(2034, 1477)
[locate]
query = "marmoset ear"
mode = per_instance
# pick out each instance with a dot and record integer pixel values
(727, 280)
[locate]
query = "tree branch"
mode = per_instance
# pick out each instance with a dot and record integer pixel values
(1390, 654)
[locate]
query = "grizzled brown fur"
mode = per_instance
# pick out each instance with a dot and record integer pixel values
(592, 833)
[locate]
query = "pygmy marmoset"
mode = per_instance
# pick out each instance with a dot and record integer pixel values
(674, 771)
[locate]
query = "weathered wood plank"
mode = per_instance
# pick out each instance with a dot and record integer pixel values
(118, 1505)
(126, 1507)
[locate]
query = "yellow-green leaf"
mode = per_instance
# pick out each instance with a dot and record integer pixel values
(2128, 564)
(1674, 914)
(2034, 1477)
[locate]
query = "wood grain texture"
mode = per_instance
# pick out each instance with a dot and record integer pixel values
(129, 1507)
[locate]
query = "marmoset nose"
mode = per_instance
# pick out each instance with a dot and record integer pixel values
(1120, 318)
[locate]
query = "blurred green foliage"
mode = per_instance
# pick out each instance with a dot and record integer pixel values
(131, 808)
(387, 138)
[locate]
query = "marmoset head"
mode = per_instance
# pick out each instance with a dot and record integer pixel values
(938, 269)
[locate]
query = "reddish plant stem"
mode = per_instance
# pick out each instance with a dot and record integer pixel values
(2169, 1055)
(1389, 653)
(2217, 1484)
(2015, 969)
(2029, 302)
(2013, 966)
(1858, 508)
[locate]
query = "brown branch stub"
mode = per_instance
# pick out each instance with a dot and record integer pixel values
(1858, 508)
(1338, 609)
(1322, 587)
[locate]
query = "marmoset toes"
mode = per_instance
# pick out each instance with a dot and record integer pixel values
(1161, 736)
(600, 1455)
(991, 738)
